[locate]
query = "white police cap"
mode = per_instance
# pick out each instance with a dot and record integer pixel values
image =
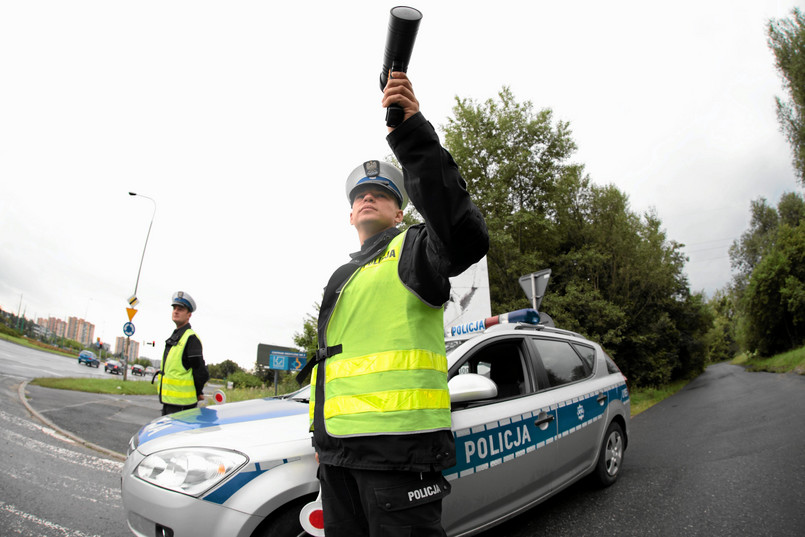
(378, 173)
(180, 298)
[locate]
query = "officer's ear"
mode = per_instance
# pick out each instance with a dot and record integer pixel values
(398, 218)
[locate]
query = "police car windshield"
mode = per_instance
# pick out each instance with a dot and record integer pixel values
(452, 344)
(302, 394)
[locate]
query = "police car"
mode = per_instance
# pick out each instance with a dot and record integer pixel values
(534, 408)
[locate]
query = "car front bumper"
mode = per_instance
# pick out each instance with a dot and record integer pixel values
(148, 508)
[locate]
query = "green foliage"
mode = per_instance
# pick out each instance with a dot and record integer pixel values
(307, 339)
(721, 340)
(242, 379)
(644, 398)
(792, 361)
(93, 385)
(787, 41)
(769, 288)
(747, 252)
(774, 300)
(615, 276)
(223, 370)
(5, 329)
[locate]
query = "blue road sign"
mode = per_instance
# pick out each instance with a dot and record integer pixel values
(287, 361)
(128, 329)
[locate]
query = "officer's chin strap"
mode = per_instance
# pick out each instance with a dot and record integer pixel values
(321, 354)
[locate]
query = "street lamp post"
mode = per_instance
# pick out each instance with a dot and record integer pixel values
(137, 283)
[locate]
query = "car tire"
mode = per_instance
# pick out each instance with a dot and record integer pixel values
(285, 523)
(610, 456)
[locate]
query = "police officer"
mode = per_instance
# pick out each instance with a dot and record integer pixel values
(380, 408)
(183, 369)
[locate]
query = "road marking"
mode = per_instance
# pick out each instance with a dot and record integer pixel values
(23, 516)
(64, 454)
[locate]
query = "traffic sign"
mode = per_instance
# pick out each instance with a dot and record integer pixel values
(128, 329)
(133, 301)
(131, 312)
(287, 361)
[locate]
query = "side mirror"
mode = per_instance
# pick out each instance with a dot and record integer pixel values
(471, 387)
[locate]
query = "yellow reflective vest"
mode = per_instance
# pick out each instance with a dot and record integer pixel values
(391, 376)
(176, 385)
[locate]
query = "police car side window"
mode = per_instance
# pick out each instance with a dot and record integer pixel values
(562, 364)
(587, 354)
(611, 367)
(503, 363)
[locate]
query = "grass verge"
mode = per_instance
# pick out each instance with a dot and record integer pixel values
(112, 386)
(645, 398)
(38, 345)
(787, 362)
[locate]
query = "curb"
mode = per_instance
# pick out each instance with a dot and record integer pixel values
(68, 434)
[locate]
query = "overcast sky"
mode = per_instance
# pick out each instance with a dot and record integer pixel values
(242, 119)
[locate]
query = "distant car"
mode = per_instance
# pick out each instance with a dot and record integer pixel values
(150, 370)
(137, 369)
(534, 409)
(88, 358)
(113, 366)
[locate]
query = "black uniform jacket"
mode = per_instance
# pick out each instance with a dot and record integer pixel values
(453, 237)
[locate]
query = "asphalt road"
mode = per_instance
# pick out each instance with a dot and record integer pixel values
(724, 457)
(51, 486)
(27, 363)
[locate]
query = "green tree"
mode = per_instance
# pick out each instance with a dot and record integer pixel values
(512, 159)
(774, 301)
(721, 340)
(307, 339)
(615, 276)
(223, 369)
(747, 252)
(787, 41)
(242, 379)
(769, 286)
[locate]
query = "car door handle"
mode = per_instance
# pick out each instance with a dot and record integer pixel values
(543, 421)
(601, 398)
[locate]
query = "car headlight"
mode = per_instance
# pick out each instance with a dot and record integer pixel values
(190, 471)
(134, 441)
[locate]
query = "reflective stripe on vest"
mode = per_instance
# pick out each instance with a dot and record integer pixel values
(177, 386)
(391, 377)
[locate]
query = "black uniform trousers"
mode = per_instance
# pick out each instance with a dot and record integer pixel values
(381, 503)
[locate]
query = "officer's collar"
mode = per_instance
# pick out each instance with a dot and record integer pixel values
(177, 335)
(374, 245)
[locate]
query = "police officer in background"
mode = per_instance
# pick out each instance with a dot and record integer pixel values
(184, 372)
(380, 408)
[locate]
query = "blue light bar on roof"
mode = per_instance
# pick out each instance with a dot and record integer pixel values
(527, 315)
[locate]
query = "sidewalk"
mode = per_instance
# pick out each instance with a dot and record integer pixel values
(100, 421)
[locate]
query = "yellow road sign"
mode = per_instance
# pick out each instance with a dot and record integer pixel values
(132, 312)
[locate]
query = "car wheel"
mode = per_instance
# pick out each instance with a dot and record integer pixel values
(285, 523)
(610, 456)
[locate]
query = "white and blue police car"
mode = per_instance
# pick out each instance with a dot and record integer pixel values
(534, 408)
